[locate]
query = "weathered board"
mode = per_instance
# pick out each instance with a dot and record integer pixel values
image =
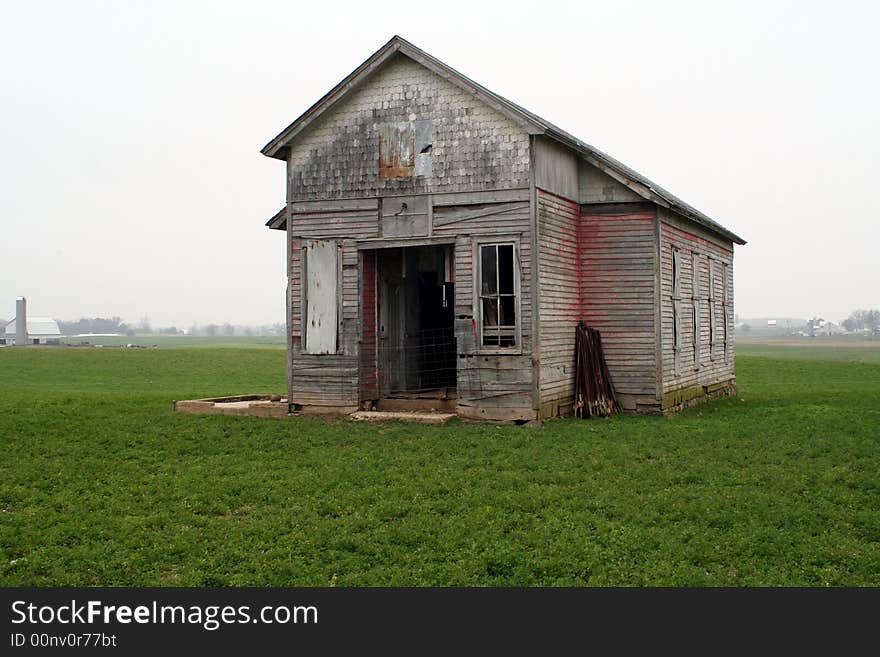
(617, 268)
(560, 306)
(707, 361)
(405, 216)
(322, 297)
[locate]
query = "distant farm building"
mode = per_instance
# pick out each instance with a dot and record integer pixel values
(40, 330)
(443, 243)
(830, 328)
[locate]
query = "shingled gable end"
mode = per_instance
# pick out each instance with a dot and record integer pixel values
(443, 243)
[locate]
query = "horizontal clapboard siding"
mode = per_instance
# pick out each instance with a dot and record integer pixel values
(485, 219)
(715, 365)
(496, 386)
(493, 386)
(295, 288)
(338, 219)
(327, 379)
(560, 304)
(617, 277)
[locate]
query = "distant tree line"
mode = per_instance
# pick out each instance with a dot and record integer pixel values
(144, 326)
(863, 320)
(95, 325)
(228, 329)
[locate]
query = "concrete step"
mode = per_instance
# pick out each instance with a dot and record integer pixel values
(381, 416)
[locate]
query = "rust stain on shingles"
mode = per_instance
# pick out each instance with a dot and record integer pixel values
(405, 149)
(396, 150)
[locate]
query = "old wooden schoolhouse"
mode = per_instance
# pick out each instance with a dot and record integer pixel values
(443, 243)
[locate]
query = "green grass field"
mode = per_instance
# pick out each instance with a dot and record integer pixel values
(182, 341)
(864, 351)
(101, 484)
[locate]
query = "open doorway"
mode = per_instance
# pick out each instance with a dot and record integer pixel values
(413, 338)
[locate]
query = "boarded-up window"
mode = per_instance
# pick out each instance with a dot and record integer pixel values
(498, 295)
(405, 149)
(695, 296)
(725, 273)
(321, 308)
(676, 309)
(712, 309)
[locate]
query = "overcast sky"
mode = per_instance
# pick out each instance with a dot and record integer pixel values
(132, 182)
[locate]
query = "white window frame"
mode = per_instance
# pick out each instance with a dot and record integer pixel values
(497, 240)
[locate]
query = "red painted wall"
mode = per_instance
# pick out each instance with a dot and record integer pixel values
(369, 381)
(617, 251)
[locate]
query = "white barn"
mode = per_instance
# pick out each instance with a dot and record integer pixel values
(40, 330)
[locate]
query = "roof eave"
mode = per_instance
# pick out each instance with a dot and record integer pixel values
(278, 220)
(608, 166)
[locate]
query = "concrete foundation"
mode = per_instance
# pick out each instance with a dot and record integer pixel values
(253, 405)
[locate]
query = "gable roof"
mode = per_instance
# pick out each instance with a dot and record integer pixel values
(36, 326)
(531, 123)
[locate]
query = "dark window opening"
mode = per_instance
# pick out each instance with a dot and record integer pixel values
(498, 295)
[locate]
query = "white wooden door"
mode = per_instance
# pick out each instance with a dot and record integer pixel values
(322, 303)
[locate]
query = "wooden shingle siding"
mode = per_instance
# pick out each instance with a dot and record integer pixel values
(560, 305)
(696, 247)
(617, 271)
(473, 146)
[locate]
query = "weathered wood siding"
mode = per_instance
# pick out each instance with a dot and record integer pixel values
(473, 146)
(490, 385)
(354, 218)
(560, 306)
(618, 250)
(556, 168)
(714, 363)
(331, 379)
(595, 186)
(369, 373)
(408, 158)
(476, 184)
(327, 379)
